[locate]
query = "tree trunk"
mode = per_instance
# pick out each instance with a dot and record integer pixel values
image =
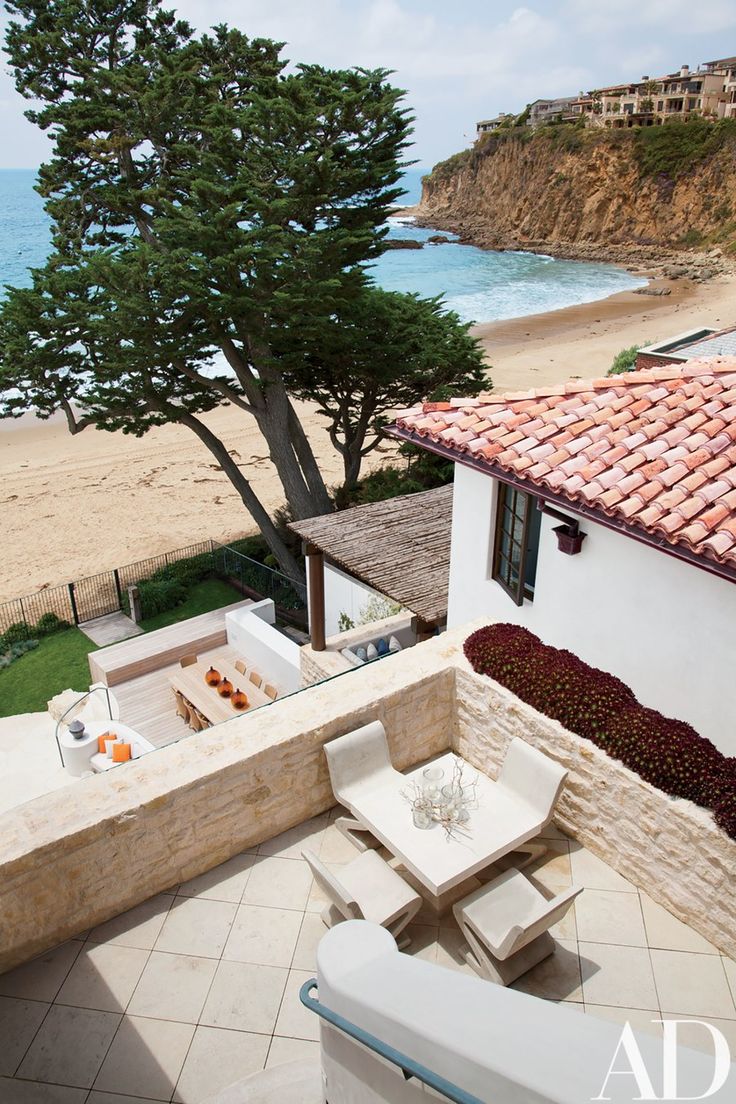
(277, 422)
(260, 515)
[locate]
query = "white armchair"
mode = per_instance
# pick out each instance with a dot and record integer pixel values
(530, 776)
(506, 924)
(366, 889)
(358, 762)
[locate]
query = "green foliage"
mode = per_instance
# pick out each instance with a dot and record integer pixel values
(344, 622)
(59, 661)
(421, 471)
(20, 631)
(14, 633)
(381, 352)
(692, 238)
(49, 623)
(448, 168)
(677, 147)
(204, 200)
(625, 360)
(159, 595)
(15, 651)
(211, 594)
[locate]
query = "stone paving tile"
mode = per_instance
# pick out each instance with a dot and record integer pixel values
(173, 987)
(216, 1059)
(225, 883)
(103, 977)
(245, 997)
(197, 927)
(138, 927)
(70, 1046)
(42, 977)
(145, 1058)
(185, 993)
(19, 1022)
(265, 936)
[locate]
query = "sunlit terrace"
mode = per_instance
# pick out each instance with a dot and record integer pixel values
(174, 918)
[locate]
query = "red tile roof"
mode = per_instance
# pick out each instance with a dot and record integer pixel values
(654, 449)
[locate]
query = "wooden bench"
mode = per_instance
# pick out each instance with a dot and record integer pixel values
(149, 652)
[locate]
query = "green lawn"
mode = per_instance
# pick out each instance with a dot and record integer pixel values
(205, 596)
(60, 661)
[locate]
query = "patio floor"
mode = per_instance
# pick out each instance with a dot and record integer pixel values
(197, 987)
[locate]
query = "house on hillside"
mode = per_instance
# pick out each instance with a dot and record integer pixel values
(487, 126)
(602, 516)
(544, 111)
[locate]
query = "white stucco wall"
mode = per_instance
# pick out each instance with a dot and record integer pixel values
(665, 627)
(343, 594)
(251, 632)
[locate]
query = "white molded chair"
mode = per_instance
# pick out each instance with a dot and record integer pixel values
(359, 761)
(532, 777)
(506, 924)
(367, 889)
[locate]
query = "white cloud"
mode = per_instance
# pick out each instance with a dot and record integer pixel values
(463, 60)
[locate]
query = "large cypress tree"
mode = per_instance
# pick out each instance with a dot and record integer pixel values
(205, 202)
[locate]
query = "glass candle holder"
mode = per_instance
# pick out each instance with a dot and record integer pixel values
(432, 781)
(422, 818)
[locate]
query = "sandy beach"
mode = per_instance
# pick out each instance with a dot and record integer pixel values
(72, 506)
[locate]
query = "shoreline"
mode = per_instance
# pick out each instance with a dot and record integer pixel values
(650, 260)
(74, 506)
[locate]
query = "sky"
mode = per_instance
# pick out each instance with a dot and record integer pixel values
(459, 60)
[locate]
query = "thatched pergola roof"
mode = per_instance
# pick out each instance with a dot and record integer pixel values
(400, 547)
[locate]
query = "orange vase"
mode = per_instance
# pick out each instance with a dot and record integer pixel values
(212, 677)
(225, 688)
(239, 700)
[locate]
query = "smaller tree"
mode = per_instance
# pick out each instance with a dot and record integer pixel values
(386, 350)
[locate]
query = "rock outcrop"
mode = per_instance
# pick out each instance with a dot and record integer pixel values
(637, 199)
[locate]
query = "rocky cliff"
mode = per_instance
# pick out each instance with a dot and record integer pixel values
(629, 195)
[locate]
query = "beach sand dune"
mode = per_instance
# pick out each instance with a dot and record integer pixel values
(73, 506)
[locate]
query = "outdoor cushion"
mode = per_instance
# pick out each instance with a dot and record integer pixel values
(372, 652)
(382, 646)
(120, 752)
(393, 644)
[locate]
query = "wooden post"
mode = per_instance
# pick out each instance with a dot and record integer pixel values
(316, 574)
(423, 629)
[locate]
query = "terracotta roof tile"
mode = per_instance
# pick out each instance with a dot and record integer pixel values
(655, 447)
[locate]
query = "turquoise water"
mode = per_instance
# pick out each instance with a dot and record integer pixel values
(480, 285)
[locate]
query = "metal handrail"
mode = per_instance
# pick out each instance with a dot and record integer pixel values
(74, 705)
(407, 1065)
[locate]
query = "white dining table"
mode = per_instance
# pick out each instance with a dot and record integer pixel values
(499, 823)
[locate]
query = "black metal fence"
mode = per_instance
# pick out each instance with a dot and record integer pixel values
(97, 595)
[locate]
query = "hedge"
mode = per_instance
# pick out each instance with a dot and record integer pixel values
(665, 752)
(20, 637)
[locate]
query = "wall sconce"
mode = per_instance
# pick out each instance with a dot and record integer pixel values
(569, 538)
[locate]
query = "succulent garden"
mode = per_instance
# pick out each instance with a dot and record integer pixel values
(663, 751)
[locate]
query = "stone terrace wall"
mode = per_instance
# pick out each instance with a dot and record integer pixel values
(671, 848)
(77, 857)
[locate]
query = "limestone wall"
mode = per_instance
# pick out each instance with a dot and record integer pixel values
(671, 848)
(72, 859)
(76, 857)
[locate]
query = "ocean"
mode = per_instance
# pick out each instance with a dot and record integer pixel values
(480, 285)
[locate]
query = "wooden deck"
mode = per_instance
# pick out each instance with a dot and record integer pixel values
(147, 702)
(150, 652)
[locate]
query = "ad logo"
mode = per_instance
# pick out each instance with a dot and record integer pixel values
(634, 1068)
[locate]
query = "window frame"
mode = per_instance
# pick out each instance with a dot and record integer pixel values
(519, 590)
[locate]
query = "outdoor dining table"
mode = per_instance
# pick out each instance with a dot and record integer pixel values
(499, 823)
(190, 683)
